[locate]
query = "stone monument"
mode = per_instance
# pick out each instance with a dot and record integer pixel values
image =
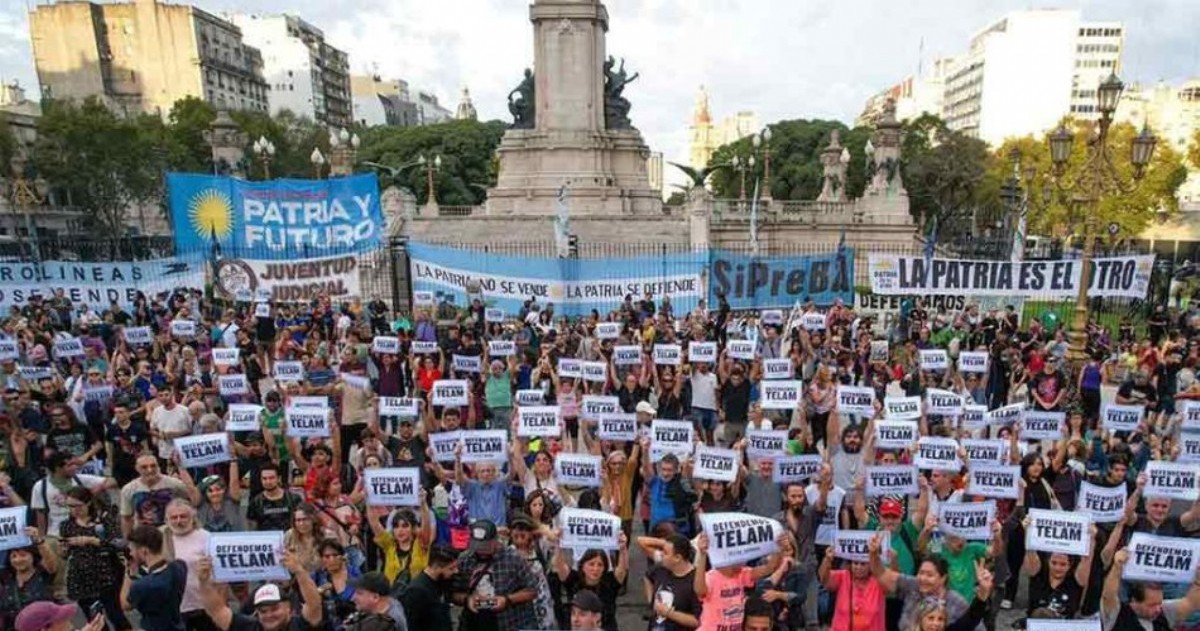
(884, 183)
(834, 160)
(571, 124)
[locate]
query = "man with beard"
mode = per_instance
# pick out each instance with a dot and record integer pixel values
(846, 457)
(802, 518)
(272, 612)
(493, 584)
(144, 500)
(127, 439)
(184, 540)
(272, 508)
(424, 601)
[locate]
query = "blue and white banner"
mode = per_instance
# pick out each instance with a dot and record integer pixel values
(275, 219)
(96, 284)
(756, 282)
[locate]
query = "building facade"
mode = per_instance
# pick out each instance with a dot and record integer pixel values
(304, 73)
(143, 56)
(918, 94)
(704, 137)
(1173, 114)
(1098, 49)
(379, 101)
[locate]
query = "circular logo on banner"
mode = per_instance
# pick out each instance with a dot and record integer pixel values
(211, 213)
(235, 278)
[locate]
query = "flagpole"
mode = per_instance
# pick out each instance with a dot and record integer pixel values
(754, 221)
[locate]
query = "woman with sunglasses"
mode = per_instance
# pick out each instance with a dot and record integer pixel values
(93, 562)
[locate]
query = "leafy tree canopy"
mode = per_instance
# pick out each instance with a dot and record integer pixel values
(467, 149)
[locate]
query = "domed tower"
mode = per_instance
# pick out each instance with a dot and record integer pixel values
(466, 109)
(702, 141)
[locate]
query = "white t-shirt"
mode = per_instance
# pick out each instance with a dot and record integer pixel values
(189, 549)
(704, 390)
(53, 501)
(229, 337)
(829, 521)
(176, 419)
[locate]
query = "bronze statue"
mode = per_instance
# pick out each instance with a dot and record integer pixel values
(616, 107)
(524, 107)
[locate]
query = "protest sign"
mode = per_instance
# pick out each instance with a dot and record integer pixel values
(262, 310)
(202, 450)
(1173, 480)
(852, 544)
(1161, 559)
(1190, 410)
(943, 402)
(247, 556)
(856, 400)
(225, 356)
(973, 362)
(780, 368)
(423, 298)
(396, 486)
(737, 538)
(502, 348)
(780, 395)
(183, 328)
(581, 470)
(766, 442)
(595, 372)
(450, 392)
(68, 347)
(307, 422)
(813, 321)
(444, 444)
(667, 354)
(714, 463)
(1122, 418)
(973, 417)
(9, 349)
(466, 363)
(969, 520)
(35, 373)
(386, 345)
(772, 317)
(594, 406)
(937, 453)
(1033, 624)
(288, 371)
(890, 480)
(702, 352)
(314, 402)
(539, 421)
(670, 437)
(243, 417)
(627, 355)
(358, 382)
(618, 427)
(139, 336)
(740, 349)
(493, 315)
(570, 368)
(529, 397)
(399, 406)
(1042, 425)
(880, 350)
(420, 347)
(485, 445)
(934, 360)
(902, 408)
(1006, 415)
(985, 451)
(12, 528)
(1059, 531)
(796, 468)
(608, 330)
(895, 434)
(996, 481)
(1124, 276)
(1189, 448)
(232, 385)
(1105, 504)
(584, 529)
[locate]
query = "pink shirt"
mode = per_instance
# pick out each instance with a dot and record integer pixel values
(867, 603)
(725, 602)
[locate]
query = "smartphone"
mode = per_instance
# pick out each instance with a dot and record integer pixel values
(97, 609)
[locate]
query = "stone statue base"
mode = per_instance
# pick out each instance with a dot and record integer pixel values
(605, 172)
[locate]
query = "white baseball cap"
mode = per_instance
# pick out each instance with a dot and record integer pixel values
(267, 595)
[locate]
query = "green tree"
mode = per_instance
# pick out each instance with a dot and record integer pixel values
(1194, 150)
(187, 150)
(8, 146)
(1131, 211)
(294, 138)
(467, 149)
(945, 175)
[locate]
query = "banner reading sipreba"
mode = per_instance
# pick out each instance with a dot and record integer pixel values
(1115, 277)
(301, 280)
(758, 282)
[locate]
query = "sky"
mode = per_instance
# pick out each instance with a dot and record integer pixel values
(783, 59)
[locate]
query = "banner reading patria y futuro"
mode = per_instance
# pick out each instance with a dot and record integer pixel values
(1120, 277)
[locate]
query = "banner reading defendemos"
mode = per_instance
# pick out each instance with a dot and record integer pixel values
(735, 538)
(247, 556)
(1161, 559)
(1114, 277)
(583, 529)
(397, 486)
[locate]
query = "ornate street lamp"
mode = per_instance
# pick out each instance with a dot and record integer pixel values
(265, 150)
(431, 165)
(318, 161)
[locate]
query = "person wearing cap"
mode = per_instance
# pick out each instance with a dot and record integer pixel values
(523, 540)
(49, 616)
(272, 612)
(493, 584)
(372, 595)
(586, 611)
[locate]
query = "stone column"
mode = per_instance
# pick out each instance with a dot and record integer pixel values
(699, 213)
(569, 57)
(834, 159)
(228, 144)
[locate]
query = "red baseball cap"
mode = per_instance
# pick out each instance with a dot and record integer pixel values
(42, 614)
(891, 507)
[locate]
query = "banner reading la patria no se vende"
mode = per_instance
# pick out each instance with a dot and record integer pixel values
(1123, 276)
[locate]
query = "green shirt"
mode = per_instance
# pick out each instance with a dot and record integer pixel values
(962, 567)
(498, 391)
(906, 562)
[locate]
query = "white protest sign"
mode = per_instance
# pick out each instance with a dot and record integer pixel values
(969, 520)
(183, 328)
(421, 347)
(902, 408)
(232, 385)
(1122, 418)
(934, 359)
(890, 480)
(737, 538)
(1190, 411)
(582, 470)
(569, 367)
(243, 417)
(608, 330)
(943, 402)
(880, 351)
(1042, 425)
(451, 392)
(68, 347)
(973, 361)
(852, 544)
(766, 442)
(226, 356)
(307, 422)
(702, 352)
(714, 463)
(202, 450)
(423, 298)
(779, 368)
(314, 402)
(502, 348)
(627, 355)
(1006, 415)
(485, 445)
(1161, 559)
(856, 400)
(247, 556)
(813, 321)
(595, 372)
(1059, 531)
(1189, 448)
(670, 437)
(667, 354)
(399, 406)
(795, 468)
(385, 345)
(996, 481)
(398, 486)
(493, 315)
(773, 317)
(1105, 504)
(35, 373)
(262, 310)
(539, 421)
(138, 335)
(937, 453)
(288, 371)
(895, 434)
(618, 427)
(985, 451)
(1032, 624)
(740, 349)
(780, 395)
(973, 417)
(12, 528)
(595, 406)
(8, 349)
(529, 397)
(358, 382)
(443, 445)
(584, 529)
(1173, 480)
(467, 363)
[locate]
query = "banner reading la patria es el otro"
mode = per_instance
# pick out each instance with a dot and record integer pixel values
(1111, 277)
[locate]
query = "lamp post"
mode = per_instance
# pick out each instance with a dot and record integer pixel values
(343, 150)
(741, 166)
(318, 161)
(1096, 178)
(265, 150)
(764, 139)
(24, 193)
(431, 165)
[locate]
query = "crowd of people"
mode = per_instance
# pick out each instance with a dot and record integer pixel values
(118, 526)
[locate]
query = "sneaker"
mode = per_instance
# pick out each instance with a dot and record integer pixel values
(1006, 604)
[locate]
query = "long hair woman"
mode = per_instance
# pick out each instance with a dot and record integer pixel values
(594, 572)
(93, 562)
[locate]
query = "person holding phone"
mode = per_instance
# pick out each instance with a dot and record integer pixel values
(49, 616)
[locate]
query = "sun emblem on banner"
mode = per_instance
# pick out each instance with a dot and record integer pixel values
(211, 211)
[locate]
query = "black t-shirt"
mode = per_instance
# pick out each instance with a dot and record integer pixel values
(425, 606)
(242, 622)
(679, 591)
(271, 514)
(1138, 394)
(157, 596)
(128, 444)
(75, 440)
(607, 590)
(1064, 599)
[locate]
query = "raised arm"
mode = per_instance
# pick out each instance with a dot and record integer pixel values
(887, 577)
(1110, 597)
(1083, 572)
(700, 578)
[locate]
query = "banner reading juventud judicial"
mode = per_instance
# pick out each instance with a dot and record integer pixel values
(300, 280)
(1122, 276)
